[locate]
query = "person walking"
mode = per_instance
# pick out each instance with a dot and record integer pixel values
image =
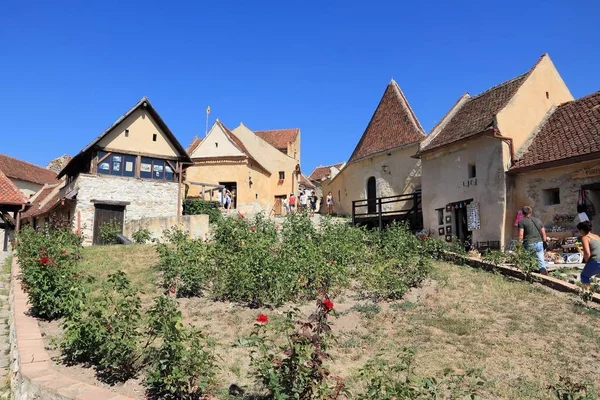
(329, 203)
(286, 205)
(533, 236)
(303, 201)
(591, 253)
(292, 202)
(228, 199)
(313, 205)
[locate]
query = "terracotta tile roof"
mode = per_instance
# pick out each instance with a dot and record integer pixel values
(9, 193)
(393, 125)
(24, 171)
(322, 172)
(571, 130)
(305, 182)
(279, 138)
(43, 201)
(193, 145)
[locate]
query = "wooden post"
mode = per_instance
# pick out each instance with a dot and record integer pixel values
(179, 206)
(354, 212)
(380, 215)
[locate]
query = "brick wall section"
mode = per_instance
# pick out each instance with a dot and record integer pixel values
(33, 377)
(147, 198)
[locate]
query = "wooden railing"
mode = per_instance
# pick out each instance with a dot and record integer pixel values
(406, 207)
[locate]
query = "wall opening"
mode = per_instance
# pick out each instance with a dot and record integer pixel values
(548, 95)
(154, 137)
(472, 171)
(440, 215)
(371, 195)
(126, 132)
(551, 197)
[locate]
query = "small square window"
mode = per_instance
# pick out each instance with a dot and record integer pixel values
(154, 137)
(216, 144)
(551, 196)
(440, 215)
(126, 132)
(548, 95)
(281, 175)
(472, 171)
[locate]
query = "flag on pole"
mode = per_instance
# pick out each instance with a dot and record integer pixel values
(208, 110)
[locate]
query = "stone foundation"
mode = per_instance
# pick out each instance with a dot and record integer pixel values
(196, 225)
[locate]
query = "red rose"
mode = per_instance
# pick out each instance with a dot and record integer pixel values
(328, 304)
(332, 262)
(44, 260)
(172, 289)
(253, 229)
(241, 215)
(277, 227)
(63, 252)
(262, 319)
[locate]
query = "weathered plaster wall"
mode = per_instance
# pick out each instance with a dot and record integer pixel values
(528, 190)
(27, 188)
(141, 127)
(350, 184)
(443, 182)
(529, 105)
(216, 144)
(147, 198)
(196, 225)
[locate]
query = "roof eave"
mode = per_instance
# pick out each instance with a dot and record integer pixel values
(555, 163)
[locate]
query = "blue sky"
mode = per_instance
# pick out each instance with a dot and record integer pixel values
(68, 69)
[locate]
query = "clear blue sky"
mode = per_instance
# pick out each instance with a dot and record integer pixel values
(68, 69)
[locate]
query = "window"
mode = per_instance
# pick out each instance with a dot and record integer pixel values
(472, 171)
(116, 164)
(153, 168)
(339, 196)
(551, 196)
(548, 95)
(281, 175)
(126, 132)
(154, 137)
(440, 214)
(216, 144)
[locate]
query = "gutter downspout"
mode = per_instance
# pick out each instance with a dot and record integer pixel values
(497, 135)
(18, 226)
(179, 189)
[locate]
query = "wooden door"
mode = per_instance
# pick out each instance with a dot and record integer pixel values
(278, 207)
(107, 214)
(371, 195)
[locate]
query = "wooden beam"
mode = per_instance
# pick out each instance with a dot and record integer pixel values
(138, 153)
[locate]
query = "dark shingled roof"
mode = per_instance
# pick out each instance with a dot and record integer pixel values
(476, 114)
(24, 171)
(393, 125)
(572, 130)
(9, 193)
(279, 138)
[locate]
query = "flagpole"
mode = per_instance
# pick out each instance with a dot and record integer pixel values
(206, 130)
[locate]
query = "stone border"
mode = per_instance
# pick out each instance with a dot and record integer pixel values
(33, 376)
(546, 280)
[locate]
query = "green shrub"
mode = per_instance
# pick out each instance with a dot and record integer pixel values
(199, 206)
(106, 332)
(141, 236)
(109, 232)
(181, 366)
(49, 263)
(524, 259)
(494, 257)
(185, 264)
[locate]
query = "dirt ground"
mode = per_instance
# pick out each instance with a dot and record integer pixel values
(517, 337)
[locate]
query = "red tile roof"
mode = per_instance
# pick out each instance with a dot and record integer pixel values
(305, 182)
(476, 114)
(9, 193)
(323, 171)
(393, 125)
(43, 201)
(279, 138)
(24, 171)
(194, 145)
(571, 130)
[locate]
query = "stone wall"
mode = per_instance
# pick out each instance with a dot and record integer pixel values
(196, 225)
(147, 198)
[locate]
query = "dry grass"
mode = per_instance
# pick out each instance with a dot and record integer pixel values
(519, 337)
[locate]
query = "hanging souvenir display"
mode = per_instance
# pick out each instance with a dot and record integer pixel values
(473, 222)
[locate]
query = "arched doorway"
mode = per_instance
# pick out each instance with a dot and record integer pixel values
(371, 195)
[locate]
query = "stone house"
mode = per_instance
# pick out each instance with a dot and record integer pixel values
(559, 161)
(323, 173)
(130, 171)
(259, 173)
(381, 165)
(466, 156)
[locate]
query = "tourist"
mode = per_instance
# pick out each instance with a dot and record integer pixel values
(313, 205)
(286, 205)
(228, 198)
(292, 202)
(303, 201)
(533, 236)
(591, 252)
(329, 203)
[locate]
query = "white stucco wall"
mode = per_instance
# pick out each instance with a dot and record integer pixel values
(27, 188)
(147, 198)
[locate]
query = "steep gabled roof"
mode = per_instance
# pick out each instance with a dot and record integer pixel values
(143, 103)
(393, 125)
(9, 193)
(43, 201)
(472, 115)
(571, 130)
(239, 144)
(24, 171)
(193, 145)
(279, 138)
(323, 171)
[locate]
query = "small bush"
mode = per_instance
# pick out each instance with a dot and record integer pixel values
(49, 263)
(495, 257)
(181, 366)
(141, 236)
(524, 259)
(106, 332)
(199, 206)
(567, 389)
(109, 232)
